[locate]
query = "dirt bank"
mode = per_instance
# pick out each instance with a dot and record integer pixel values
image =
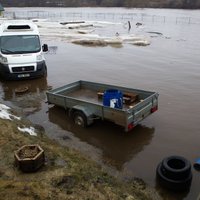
(65, 175)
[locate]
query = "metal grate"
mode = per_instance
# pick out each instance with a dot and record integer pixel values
(23, 69)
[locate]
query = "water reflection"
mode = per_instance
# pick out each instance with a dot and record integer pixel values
(30, 99)
(52, 50)
(171, 195)
(117, 146)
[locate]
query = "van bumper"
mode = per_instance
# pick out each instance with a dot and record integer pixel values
(5, 73)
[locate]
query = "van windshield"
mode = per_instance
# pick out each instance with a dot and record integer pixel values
(15, 44)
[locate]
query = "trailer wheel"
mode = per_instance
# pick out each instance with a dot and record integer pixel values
(79, 118)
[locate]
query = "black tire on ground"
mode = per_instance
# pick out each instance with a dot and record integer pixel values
(79, 118)
(176, 167)
(175, 185)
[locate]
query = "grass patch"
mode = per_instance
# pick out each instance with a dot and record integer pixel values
(66, 173)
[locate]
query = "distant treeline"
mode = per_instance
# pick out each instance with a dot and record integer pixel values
(186, 4)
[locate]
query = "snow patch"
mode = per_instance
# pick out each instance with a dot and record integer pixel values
(80, 33)
(4, 113)
(30, 130)
(84, 31)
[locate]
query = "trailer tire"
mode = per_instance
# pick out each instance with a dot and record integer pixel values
(79, 118)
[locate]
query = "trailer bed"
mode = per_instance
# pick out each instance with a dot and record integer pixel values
(91, 95)
(87, 98)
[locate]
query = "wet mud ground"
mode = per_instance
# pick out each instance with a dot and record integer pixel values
(167, 66)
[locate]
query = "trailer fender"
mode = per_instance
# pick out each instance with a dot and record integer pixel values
(85, 110)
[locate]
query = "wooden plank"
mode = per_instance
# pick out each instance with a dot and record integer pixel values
(100, 95)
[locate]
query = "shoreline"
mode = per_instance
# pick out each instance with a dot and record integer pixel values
(67, 174)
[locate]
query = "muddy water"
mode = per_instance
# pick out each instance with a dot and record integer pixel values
(170, 66)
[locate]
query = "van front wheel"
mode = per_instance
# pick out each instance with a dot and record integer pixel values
(45, 72)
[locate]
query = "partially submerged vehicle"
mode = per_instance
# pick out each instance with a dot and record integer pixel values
(21, 53)
(88, 101)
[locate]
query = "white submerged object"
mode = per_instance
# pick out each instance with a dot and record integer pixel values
(141, 42)
(85, 31)
(97, 41)
(113, 40)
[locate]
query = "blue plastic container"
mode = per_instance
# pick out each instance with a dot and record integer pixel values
(113, 98)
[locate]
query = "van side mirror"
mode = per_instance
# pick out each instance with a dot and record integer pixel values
(45, 47)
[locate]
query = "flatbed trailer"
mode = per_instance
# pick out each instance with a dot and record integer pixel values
(84, 102)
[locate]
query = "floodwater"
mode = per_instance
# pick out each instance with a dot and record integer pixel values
(169, 66)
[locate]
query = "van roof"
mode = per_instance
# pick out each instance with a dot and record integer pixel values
(18, 27)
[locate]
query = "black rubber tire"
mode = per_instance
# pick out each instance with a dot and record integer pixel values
(176, 167)
(79, 118)
(176, 185)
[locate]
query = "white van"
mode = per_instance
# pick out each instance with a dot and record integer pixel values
(21, 53)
